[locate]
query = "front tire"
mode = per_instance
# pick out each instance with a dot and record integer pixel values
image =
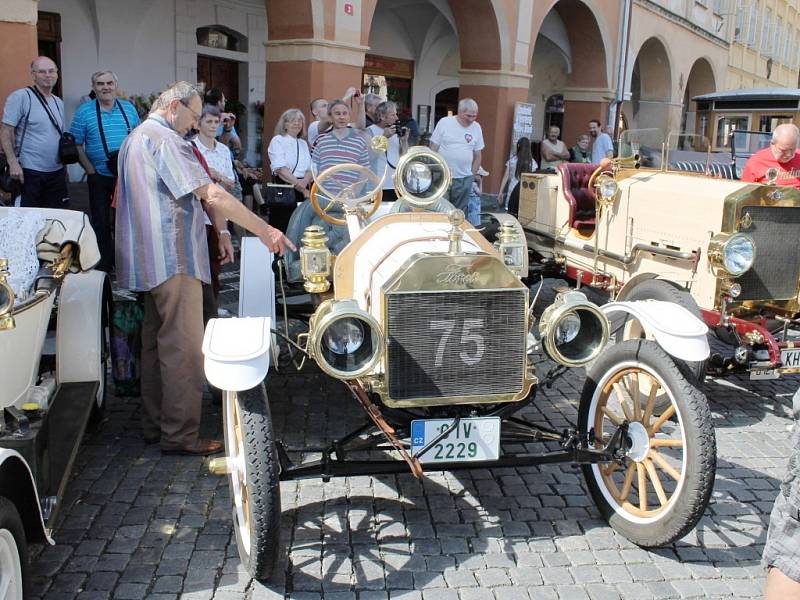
(13, 553)
(659, 491)
(253, 478)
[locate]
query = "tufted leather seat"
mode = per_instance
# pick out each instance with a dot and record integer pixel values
(575, 182)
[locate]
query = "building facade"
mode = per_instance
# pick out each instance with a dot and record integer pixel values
(637, 62)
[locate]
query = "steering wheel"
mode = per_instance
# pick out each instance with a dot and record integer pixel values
(603, 167)
(345, 199)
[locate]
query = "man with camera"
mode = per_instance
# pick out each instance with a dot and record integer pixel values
(386, 124)
(31, 138)
(99, 127)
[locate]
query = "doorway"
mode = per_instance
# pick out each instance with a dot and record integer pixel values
(223, 74)
(48, 31)
(446, 103)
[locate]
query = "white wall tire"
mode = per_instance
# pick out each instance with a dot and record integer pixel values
(253, 479)
(661, 489)
(13, 553)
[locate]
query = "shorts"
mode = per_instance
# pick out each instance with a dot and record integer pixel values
(782, 549)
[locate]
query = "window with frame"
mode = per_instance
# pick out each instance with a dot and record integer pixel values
(725, 125)
(777, 45)
(739, 33)
(720, 6)
(766, 32)
(752, 26)
(787, 44)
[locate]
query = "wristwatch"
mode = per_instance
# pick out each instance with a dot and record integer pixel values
(224, 232)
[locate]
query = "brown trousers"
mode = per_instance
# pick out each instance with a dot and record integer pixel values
(172, 362)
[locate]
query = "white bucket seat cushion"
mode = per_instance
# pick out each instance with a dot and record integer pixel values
(18, 233)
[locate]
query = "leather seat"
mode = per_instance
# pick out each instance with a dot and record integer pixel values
(575, 182)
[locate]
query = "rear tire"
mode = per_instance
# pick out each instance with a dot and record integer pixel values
(253, 479)
(659, 491)
(13, 553)
(660, 289)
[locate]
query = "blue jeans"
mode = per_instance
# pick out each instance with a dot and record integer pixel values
(459, 192)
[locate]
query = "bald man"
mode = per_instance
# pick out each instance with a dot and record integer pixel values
(781, 155)
(33, 119)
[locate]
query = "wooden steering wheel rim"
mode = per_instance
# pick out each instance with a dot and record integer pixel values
(312, 196)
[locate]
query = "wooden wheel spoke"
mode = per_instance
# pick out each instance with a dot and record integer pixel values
(651, 400)
(627, 483)
(623, 400)
(651, 472)
(658, 459)
(661, 420)
(611, 416)
(634, 391)
(666, 443)
(642, 485)
(609, 469)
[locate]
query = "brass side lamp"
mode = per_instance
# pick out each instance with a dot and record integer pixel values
(6, 298)
(511, 248)
(315, 260)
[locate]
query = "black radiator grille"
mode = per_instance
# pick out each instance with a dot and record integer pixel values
(774, 275)
(444, 344)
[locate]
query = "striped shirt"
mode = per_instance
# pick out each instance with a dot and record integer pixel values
(330, 151)
(86, 131)
(160, 230)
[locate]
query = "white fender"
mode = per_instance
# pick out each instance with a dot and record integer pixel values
(256, 280)
(237, 352)
(17, 484)
(678, 331)
(79, 342)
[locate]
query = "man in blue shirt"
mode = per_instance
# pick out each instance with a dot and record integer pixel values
(602, 146)
(99, 127)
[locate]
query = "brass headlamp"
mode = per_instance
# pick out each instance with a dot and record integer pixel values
(512, 249)
(6, 298)
(315, 260)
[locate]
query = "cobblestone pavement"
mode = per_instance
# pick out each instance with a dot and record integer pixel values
(136, 524)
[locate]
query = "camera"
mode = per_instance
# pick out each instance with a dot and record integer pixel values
(399, 129)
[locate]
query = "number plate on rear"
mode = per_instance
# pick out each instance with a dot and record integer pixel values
(475, 439)
(790, 357)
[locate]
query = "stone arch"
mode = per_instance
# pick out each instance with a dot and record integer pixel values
(700, 81)
(651, 87)
(290, 19)
(478, 34)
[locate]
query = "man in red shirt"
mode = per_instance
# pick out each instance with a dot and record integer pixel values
(780, 155)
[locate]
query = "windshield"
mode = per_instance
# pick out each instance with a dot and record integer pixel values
(642, 145)
(746, 143)
(680, 151)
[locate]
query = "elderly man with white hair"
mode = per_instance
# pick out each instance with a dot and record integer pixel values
(781, 155)
(459, 140)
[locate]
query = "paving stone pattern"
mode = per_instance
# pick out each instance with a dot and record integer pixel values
(136, 524)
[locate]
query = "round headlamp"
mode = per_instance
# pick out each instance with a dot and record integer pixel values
(574, 330)
(607, 187)
(734, 253)
(345, 341)
(421, 177)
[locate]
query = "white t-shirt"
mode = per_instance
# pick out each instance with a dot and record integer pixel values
(218, 158)
(313, 132)
(379, 159)
(557, 147)
(286, 151)
(457, 144)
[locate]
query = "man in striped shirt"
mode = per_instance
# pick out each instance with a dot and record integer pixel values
(161, 250)
(99, 127)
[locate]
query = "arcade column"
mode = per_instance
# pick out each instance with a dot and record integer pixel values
(496, 92)
(18, 39)
(300, 70)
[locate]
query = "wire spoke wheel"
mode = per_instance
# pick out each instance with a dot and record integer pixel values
(253, 479)
(658, 491)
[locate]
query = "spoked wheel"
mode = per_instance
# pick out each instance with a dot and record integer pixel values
(253, 479)
(13, 553)
(659, 491)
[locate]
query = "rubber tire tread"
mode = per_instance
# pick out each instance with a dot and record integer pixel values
(661, 289)
(10, 519)
(263, 476)
(98, 412)
(700, 444)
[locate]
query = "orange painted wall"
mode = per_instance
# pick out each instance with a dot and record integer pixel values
(496, 115)
(17, 40)
(294, 84)
(577, 116)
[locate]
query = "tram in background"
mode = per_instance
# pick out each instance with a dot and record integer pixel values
(742, 121)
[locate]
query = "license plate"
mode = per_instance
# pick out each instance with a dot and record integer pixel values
(761, 373)
(790, 357)
(474, 439)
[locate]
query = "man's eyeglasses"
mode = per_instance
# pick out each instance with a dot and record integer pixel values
(196, 115)
(46, 71)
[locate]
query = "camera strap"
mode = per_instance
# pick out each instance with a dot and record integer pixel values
(100, 123)
(46, 106)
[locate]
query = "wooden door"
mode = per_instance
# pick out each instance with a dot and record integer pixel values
(219, 73)
(48, 31)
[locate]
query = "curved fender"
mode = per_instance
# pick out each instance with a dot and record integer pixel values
(17, 484)
(79, 336)
(237, 352)
(678, 331)
(256, 280)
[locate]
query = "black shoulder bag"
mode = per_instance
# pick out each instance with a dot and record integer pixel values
(111, 163)
(280, 193)
(67, 148)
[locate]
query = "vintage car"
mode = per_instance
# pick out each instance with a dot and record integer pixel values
(54, 351)
(431, 329)
(644, 227)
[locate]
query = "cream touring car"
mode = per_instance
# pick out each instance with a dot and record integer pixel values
(645, 227)
(54, 351)
(431, 329)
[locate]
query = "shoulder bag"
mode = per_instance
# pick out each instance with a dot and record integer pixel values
(67, 148)
(280, 193)
(111, 162)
